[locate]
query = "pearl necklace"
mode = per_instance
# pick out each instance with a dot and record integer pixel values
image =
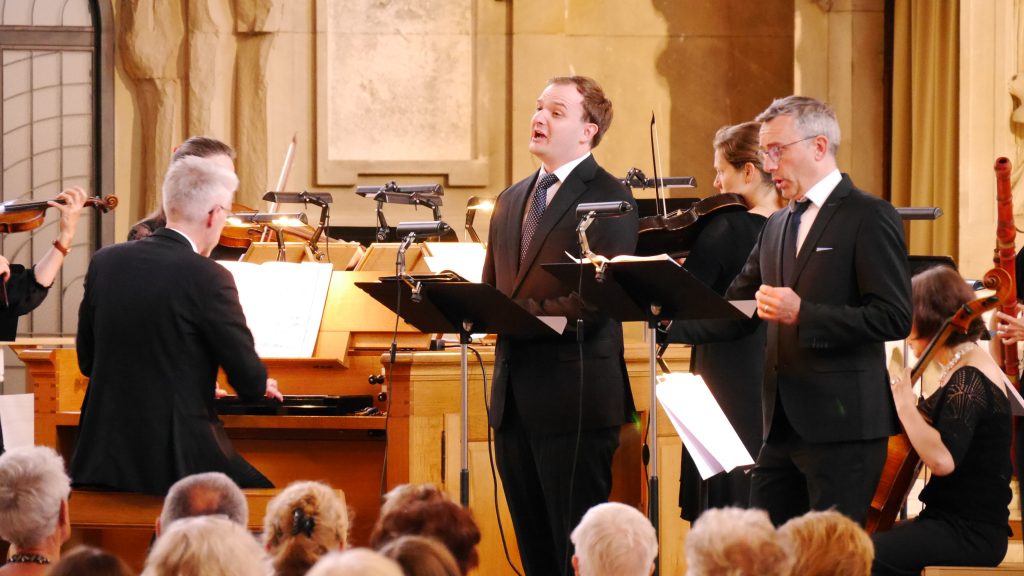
(957, 355)
(28, 559)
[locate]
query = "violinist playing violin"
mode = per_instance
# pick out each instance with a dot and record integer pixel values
(24, 289)
(962, 433)
(732, 370)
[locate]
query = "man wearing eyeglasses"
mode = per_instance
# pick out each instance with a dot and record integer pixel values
(831, 279)
(157, 320)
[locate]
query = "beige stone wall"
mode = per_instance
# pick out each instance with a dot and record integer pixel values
(252, 73)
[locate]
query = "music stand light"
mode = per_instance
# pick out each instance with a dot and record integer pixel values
(476, 204)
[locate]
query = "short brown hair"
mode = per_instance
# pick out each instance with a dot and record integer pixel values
(92, 561)
(739, 146)
(937, 295)
(424, 510)
(203, 147)
(421, 556)
(597, 108)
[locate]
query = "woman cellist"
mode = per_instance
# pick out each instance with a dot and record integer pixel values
(23, 288)
(962, 434)
(733, 370)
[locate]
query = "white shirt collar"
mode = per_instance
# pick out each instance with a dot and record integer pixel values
(823, 189)
(563, 171)
(194, 247)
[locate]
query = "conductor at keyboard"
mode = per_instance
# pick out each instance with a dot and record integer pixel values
(158, 318)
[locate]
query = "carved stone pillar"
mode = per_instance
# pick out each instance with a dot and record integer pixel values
(150, 34)
(211, 61)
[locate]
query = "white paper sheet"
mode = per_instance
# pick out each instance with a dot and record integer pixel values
(700, 422)
(17, 420)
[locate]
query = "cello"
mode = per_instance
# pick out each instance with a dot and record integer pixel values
(903, 463)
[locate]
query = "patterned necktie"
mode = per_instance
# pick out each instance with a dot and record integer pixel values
(540, 202)
(796, 211)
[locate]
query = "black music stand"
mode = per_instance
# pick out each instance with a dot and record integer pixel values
(448, 303)
(648, 291)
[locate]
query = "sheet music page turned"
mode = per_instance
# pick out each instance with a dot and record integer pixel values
(283, 304)
(700, 422)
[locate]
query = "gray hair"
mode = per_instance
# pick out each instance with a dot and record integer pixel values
(614, 539)
(736, 542)
(206, 546)
(33, 484)
(813, 117)
(355, 562)
(192, 186)
(204, 494)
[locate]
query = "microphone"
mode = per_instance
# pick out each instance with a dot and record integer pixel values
(426, 229)
(604, 209)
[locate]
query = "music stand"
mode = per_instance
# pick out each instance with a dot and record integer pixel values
(449, 304)
(648, 291)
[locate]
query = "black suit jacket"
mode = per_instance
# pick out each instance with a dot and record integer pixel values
(543, 375)
(156, 322)
(852, 276)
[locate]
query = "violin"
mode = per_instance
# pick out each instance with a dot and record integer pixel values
(676, 231)
(25, 216)
(902, 463)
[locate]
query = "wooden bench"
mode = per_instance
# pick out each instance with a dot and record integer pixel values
(1014, 569)
(124, 522)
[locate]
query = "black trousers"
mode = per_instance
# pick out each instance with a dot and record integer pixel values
(535, 471)
(793, 476)
(937, 539)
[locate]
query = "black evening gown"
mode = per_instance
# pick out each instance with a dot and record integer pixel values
(732, 370)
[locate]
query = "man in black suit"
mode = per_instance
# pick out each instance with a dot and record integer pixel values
(556, 418)
(830, 276)
(157, 319)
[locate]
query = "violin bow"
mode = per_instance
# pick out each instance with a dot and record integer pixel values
(660, 202)
(282, 180)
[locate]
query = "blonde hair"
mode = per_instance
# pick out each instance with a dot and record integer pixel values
(304, 522)
(735, 542)
(32, 486)
(614, 539)
(193, 186)
(828, 544)
(206, 546)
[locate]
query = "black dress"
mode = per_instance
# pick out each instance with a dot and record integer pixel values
(964, 522)
(732, 370)
(23, 295)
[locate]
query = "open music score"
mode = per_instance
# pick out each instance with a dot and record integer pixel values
(283, 304)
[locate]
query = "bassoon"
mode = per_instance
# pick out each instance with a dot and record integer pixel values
(1005, 258)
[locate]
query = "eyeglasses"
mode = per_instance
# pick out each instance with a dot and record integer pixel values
(227, 211)
(774, 152)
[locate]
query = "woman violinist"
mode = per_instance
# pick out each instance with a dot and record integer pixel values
(23, 288)
(732, 370)
(962, 433)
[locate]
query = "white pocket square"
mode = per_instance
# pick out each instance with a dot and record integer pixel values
(822, 248)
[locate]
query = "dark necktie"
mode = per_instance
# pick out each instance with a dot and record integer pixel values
(540, 202)
(796, 211)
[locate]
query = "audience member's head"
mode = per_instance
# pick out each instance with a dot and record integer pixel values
(304, 522)
(614, 539)
(424, 510)
(89, 561)
(206, 546)
(34, 500)
(735, 542)
(421, 556)
(827, 544)
(355, 562)
(205, 494)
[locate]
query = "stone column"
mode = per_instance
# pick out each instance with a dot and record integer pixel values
(150, 34)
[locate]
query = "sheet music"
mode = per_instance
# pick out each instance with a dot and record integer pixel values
(464, 258)
(283, 304)
(700, 422)
(16, 420)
